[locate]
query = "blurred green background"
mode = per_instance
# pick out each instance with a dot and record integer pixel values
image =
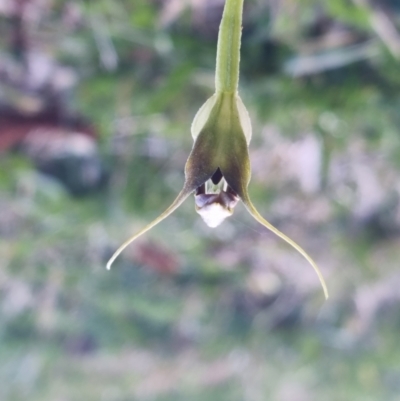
(96, 102)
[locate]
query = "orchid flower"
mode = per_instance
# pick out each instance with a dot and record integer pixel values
(218, 168)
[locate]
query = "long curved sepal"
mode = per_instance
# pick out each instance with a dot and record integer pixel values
(257, 216)
(182, 196)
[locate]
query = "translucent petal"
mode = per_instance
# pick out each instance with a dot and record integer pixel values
(244, 119)
(202, 116)
(253, 211)
(186, 191)
(214, 214)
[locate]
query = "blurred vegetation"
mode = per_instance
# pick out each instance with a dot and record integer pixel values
(189, 312)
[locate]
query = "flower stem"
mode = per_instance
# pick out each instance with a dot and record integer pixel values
(228, 49)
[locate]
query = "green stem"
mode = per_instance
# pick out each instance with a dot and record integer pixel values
(228, 50)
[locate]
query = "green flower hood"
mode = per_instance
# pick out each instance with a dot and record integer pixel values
(218, 168)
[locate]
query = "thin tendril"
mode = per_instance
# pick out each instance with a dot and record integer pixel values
(175, 204)
(253, 211)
